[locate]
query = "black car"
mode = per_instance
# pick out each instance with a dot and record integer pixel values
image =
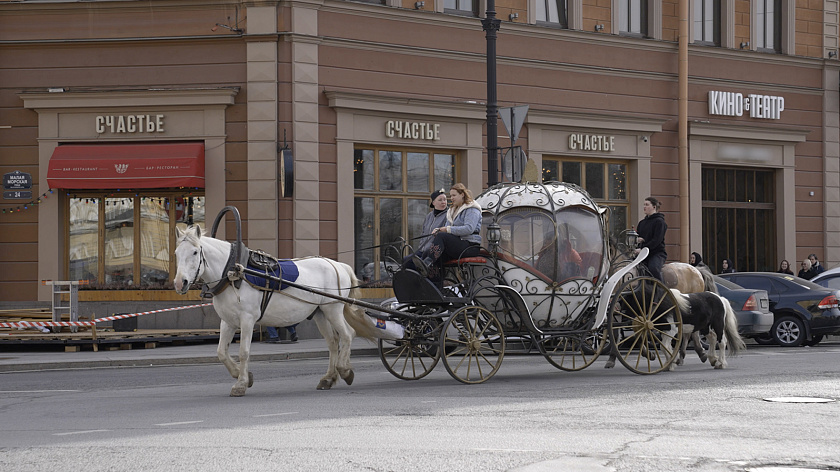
(803, 311)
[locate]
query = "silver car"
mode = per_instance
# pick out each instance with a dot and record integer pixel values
(752, 307)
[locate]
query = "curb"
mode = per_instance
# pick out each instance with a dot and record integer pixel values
(162, 362)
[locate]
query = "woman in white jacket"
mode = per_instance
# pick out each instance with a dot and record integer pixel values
(460, 237)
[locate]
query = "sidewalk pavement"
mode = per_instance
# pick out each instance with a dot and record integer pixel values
(202, 353)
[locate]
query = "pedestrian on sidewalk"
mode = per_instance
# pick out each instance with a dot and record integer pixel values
(274, 337)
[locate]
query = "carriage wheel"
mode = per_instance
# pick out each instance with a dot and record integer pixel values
(414, 356)
(573, 352)
(473, 343)
(645, 325)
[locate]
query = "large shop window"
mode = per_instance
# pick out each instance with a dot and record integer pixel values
(739, 218)
(125, 241)
(392, 188)
(605, 181)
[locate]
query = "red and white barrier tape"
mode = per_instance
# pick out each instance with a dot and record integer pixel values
(35, 324)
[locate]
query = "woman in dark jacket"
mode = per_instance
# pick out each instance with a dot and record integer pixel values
(652, 236)
(727, 267)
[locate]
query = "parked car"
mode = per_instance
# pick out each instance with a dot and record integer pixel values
(751, 306)
(829, 278)
(803, 311)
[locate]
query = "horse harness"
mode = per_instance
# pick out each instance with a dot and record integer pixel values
(256, 260)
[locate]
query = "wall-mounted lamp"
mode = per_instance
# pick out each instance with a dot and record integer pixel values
(745, 45)
(513, 16)
(644, 139)
(832, 54)
(599, 28)
(419, 5)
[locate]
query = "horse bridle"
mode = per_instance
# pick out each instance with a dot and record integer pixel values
(202, 260)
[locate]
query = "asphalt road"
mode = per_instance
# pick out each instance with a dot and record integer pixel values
(529, 417)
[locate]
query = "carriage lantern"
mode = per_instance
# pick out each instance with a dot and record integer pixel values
(632, 238)
(494, 235)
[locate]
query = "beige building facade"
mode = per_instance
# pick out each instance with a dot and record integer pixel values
(355, 90)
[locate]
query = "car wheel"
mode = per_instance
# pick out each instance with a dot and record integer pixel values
(764, 339)
(788, 331)
(814, 340)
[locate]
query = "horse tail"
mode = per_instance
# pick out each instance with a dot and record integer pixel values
(682, 301)
(355, 316)
(708, 280)
(735, 343)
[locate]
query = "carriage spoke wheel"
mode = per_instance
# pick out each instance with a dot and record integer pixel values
(414, 356)
(645, 325)
(473, 344)
(573, 352)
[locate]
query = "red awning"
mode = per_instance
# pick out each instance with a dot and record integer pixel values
(125, 166)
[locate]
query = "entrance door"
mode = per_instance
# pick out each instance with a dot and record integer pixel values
(739, 218)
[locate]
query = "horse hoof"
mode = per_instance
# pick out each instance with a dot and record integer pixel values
(719, 366)
(678, 362)
(609, 365)
(349, 378)
(324, 385)
(250, 380)
(703, 358)
(237, 392)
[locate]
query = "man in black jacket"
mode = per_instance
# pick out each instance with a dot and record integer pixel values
(652, 236)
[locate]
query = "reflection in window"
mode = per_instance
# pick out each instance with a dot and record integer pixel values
(707, 21)
(391, 201)
(552, 11)
(117, 260)
(460, 6)
(84, 239)
(768, 25)
(154, 243)
(119, 241)
(632, 17)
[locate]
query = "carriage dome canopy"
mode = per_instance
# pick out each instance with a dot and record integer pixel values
(554, 229)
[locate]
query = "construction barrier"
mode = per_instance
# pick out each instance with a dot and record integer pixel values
(36, 324)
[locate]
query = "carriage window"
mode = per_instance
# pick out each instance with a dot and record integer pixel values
(571, 246)
(392, 188)
(135, 250)
(605, 181)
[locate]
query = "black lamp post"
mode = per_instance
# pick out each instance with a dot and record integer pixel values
(491, 25)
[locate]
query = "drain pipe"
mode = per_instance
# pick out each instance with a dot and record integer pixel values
(682, 125)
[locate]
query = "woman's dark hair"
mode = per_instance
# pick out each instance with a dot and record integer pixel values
(656, 203)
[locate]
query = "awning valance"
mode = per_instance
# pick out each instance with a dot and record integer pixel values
(126, 166)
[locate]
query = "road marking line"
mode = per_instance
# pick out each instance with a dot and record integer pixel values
(82, 432)
(179, 423)
(276, 414)
(37, 391)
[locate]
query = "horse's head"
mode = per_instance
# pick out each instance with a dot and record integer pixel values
(189, 258)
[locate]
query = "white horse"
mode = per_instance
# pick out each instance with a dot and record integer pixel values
(202, 258)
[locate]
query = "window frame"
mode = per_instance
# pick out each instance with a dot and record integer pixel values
(562, 13)
(473, 11)
(716, 23)
(403, 194)
(760, 17)
(625, 29)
